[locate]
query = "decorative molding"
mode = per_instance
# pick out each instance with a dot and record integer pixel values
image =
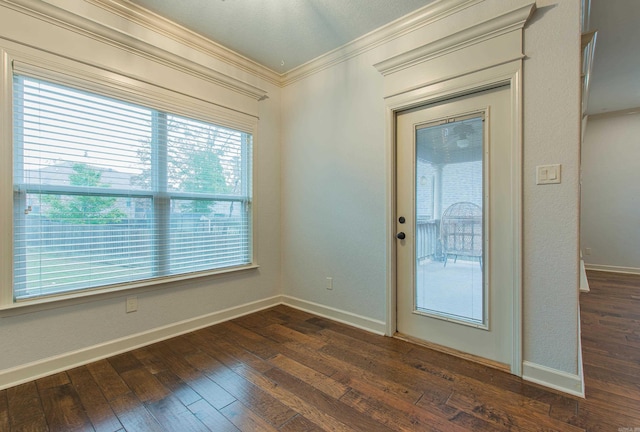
(85, 27)
(612, 269)
(473, 35)
(562, 381)
(31, 371)
(354, 320)
(146, 19)
(422, 17)
(158, 24)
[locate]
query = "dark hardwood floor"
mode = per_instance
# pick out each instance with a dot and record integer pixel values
(285, 370)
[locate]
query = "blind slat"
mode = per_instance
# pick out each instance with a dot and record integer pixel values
(110, 192)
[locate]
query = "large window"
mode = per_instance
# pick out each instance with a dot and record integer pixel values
(108, 192)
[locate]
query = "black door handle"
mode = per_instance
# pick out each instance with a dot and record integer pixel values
(401, 235)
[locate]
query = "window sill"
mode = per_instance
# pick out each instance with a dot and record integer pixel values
(85, 296)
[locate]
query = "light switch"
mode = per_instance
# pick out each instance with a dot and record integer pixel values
(548, 174)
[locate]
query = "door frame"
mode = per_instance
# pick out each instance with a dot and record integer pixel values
(506, 74)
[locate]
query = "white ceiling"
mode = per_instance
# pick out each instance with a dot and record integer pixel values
(282, 34)
(615, 79)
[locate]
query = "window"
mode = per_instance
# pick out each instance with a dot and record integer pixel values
(109, 192)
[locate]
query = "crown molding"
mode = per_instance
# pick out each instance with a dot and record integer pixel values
(178, 33)
(420, 18)
(88, 28)
(125, 9)
(508, 22)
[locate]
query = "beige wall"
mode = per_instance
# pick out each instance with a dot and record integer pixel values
(610, 192)
(334, 180)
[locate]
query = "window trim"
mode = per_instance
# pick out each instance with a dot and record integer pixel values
(114, 85)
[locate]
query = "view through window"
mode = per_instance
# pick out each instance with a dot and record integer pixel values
(109, 192)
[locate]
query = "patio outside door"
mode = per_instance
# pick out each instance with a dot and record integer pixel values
(455, 236)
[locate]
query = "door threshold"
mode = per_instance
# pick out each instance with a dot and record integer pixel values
(460, 354)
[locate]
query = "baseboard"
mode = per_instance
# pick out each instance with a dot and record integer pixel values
(354, 320)
(553, 378)
(612, 269)
(584, 282)
(31, 371)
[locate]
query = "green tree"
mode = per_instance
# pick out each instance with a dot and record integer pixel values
(193, 164)
(82, 209)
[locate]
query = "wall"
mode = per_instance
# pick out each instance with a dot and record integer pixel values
(610, 226)
(38, 339)
(334, 182)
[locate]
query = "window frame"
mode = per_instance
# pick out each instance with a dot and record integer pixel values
(118, 86)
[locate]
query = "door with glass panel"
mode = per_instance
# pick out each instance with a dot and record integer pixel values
(454, 231)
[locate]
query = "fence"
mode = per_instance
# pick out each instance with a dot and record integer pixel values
(192, 242)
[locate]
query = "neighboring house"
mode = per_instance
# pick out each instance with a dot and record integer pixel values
(58, 174)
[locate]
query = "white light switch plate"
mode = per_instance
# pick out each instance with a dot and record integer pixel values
(548, 174)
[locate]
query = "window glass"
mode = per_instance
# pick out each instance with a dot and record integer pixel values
(109, 192)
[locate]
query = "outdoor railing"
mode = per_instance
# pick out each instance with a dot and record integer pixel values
(428, 239)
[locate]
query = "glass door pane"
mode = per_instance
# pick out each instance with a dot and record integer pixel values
(450, 281)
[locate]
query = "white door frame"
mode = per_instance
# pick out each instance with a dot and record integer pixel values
(509, 74)
(476, 58)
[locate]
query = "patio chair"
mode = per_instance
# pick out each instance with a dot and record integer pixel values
(461, 231)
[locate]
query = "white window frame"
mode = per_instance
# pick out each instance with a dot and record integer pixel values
(92, 79)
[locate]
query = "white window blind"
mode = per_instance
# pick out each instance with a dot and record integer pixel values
(108, 192)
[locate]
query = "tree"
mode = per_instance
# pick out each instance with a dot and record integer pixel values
(193, 163)
(83, 209)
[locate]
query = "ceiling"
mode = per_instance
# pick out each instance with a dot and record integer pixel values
(284, 34)
(615, 77)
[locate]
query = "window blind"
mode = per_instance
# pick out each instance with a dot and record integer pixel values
(109, 192)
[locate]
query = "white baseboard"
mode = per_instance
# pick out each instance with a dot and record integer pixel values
(31, 371)
(612, 269)
(553, 378)
(354, 320)
(584, 282)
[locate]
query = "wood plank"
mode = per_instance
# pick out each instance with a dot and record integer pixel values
(63, 409)
(315, 379)
(505, 416)
(93, 401)
(4, 411)
(174, 416)
(396, 413)
(110, 383)
(178, 388)
(25, 407)
(144, 384)
(341, 412)
(133, 415)
(300, 424)
(288, 398)
(261, 403)
(232, 352)
(245, 419)
(347, 370)
(211, 417)
(211, 392)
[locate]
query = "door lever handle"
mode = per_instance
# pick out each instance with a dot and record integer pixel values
(401, 235)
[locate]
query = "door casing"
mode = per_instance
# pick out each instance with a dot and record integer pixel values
(506, 74)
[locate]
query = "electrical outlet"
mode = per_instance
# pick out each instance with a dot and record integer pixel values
(587, 251)
(329, 283)
(132, 304)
